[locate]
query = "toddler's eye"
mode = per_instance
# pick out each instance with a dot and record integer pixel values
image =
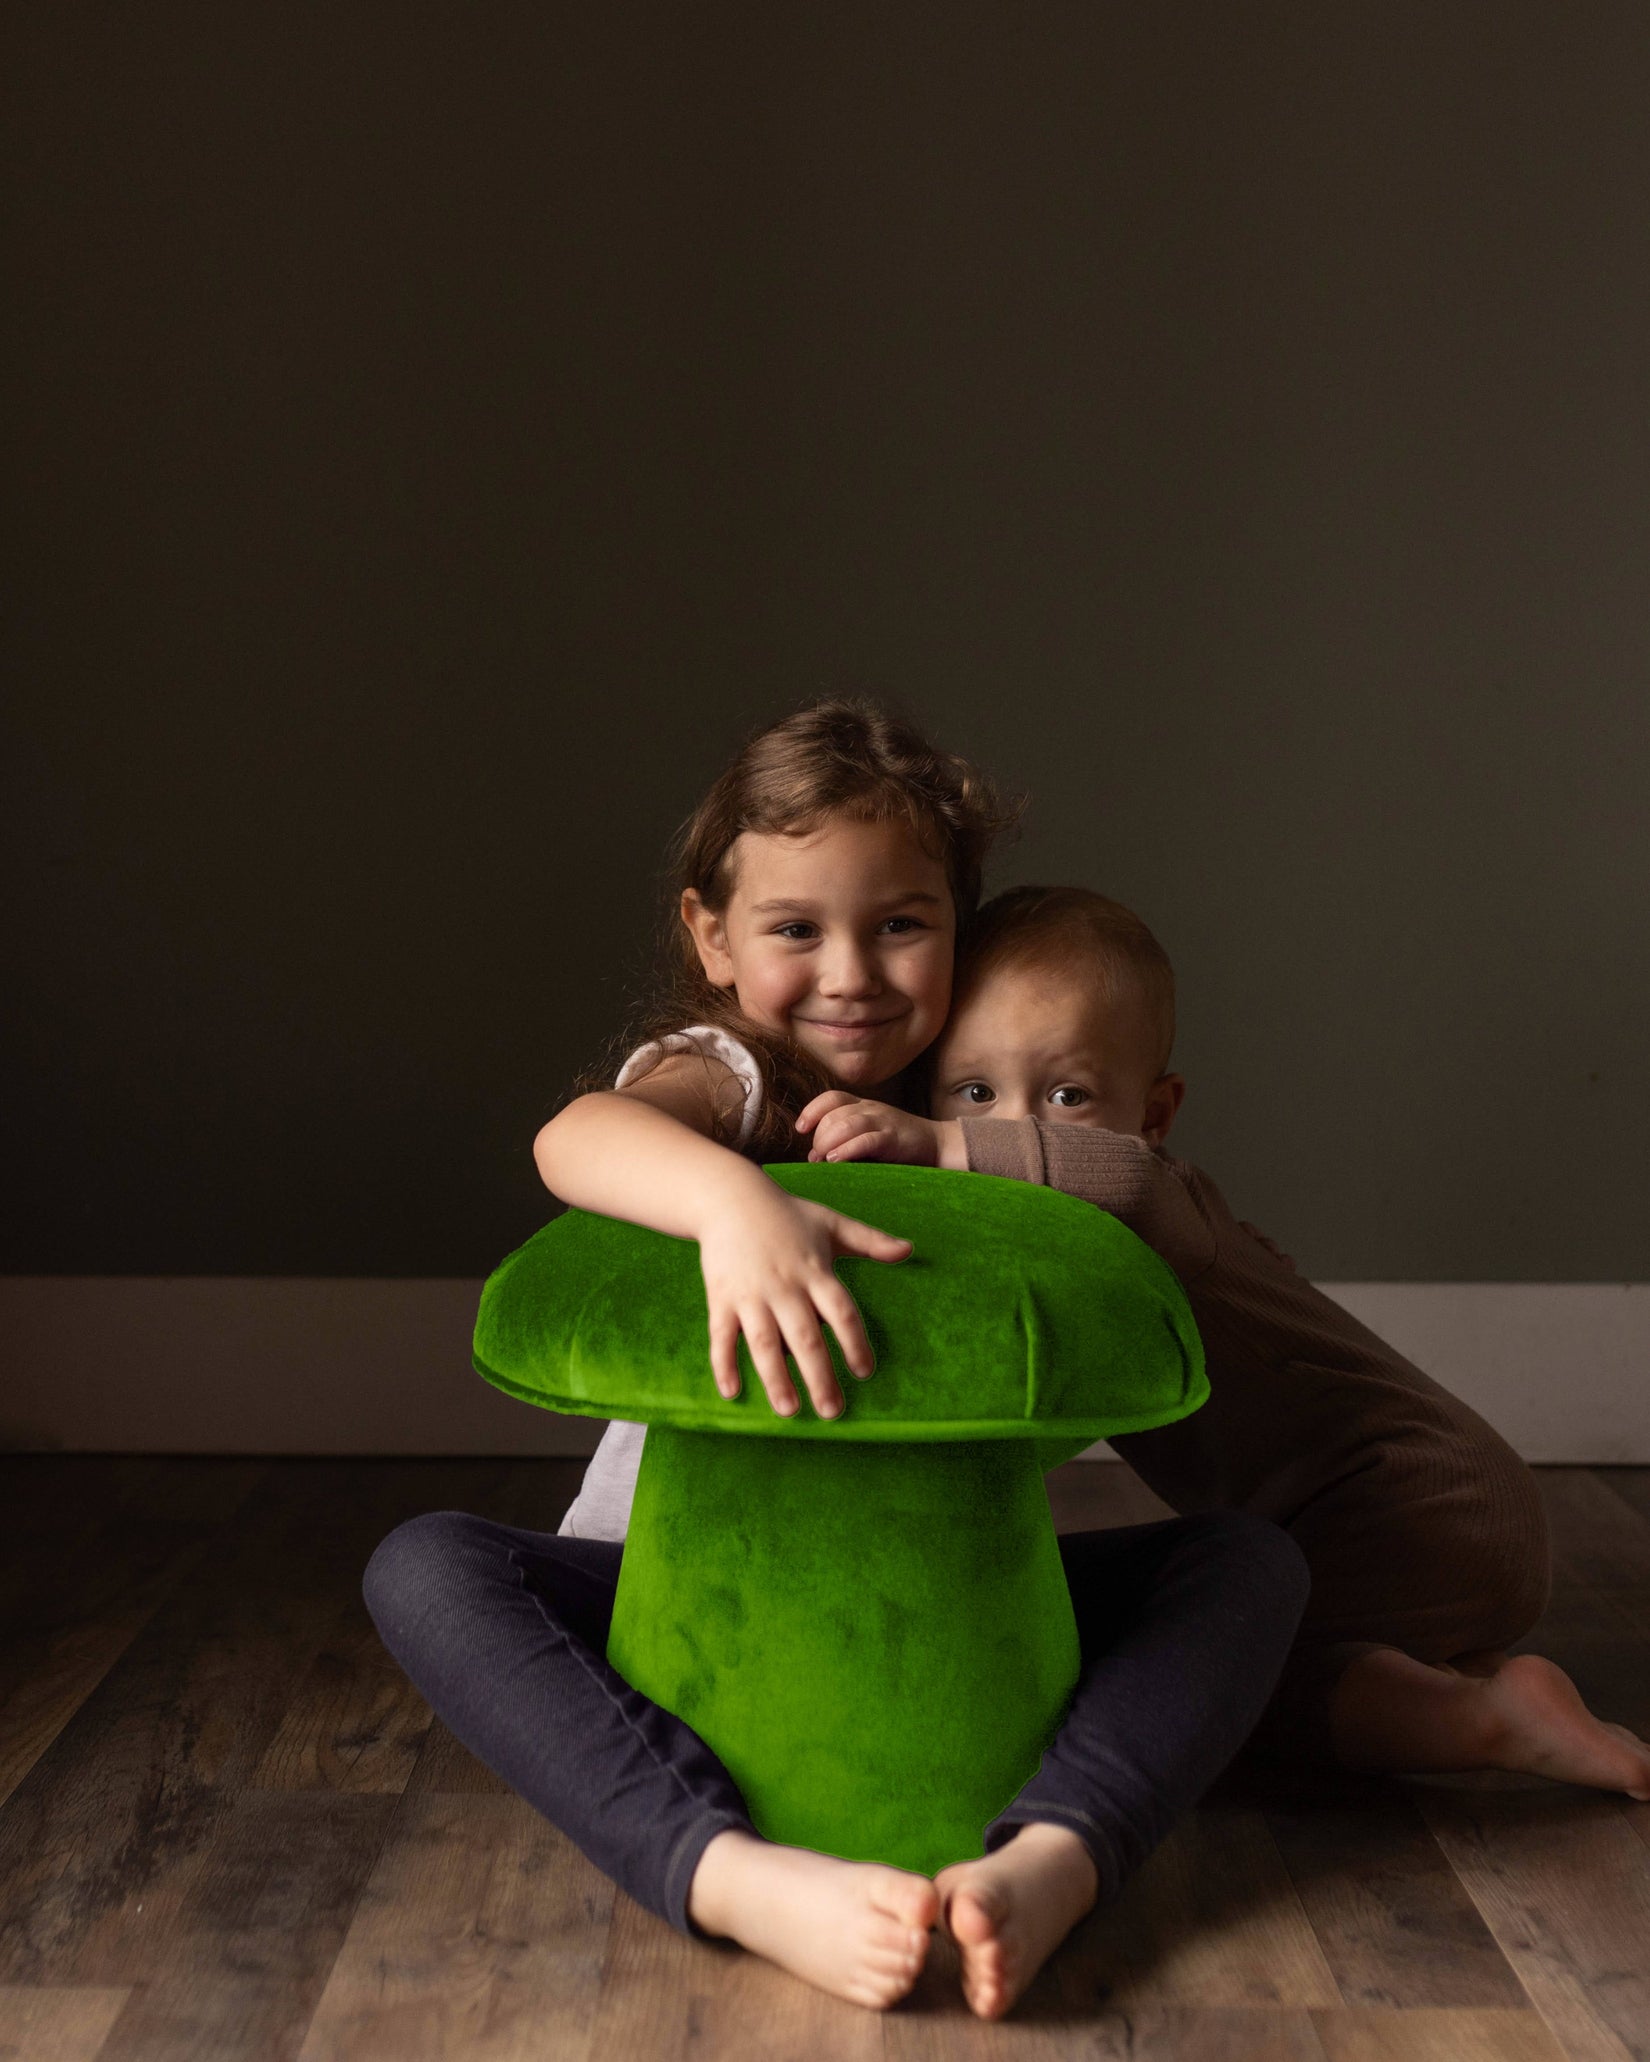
(1069, 1098)
(976, 1092)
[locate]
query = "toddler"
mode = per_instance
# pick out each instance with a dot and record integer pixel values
(1423, 1530)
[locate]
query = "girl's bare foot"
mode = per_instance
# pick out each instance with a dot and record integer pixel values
(1010, 1910)
(856, 1929)
(1394, 1713)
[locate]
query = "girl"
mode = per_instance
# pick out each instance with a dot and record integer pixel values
(821, 884)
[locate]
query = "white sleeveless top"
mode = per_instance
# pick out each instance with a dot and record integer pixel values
(601, 1510)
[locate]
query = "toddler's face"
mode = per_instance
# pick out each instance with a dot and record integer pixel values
(1032, 1043)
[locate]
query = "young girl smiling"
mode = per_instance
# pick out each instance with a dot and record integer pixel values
(821, 884)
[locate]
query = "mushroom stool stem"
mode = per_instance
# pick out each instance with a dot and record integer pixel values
(875, 1639)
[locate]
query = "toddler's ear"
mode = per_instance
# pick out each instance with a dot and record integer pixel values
(1163, 1100)
(710, 939)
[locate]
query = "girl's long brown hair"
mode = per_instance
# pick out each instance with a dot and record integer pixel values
(835, 758)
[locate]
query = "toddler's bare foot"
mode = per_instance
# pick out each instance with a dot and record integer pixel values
(856, 1929)
(1548, 1730)
(1010, 1910)
(1394, 1713)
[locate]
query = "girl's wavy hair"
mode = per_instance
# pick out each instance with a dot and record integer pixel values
(836, 758)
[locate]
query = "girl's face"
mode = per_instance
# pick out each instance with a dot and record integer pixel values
(841, 938)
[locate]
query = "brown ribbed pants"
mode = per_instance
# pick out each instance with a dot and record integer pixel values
(1456, 1567)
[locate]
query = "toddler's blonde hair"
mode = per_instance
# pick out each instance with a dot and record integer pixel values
(1054, 930)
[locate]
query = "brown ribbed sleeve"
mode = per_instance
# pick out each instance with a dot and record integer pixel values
(1110, 1169)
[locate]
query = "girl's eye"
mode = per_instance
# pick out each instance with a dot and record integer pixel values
(1068, 1098)
(976, 1092)
(906, 923)
(796, 931)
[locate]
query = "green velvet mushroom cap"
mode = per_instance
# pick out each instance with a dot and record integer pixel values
(1021, 1314)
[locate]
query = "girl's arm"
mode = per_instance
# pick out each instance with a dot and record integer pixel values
(645, 1153)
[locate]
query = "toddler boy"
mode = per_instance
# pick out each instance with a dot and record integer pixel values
(1423, 1529)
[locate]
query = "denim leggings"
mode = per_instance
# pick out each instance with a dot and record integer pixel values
(1184, 1626)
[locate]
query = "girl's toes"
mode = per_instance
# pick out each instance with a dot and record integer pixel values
(977, 1914)
(912, 1900)
(880, 1988)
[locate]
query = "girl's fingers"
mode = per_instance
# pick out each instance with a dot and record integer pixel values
(724, 1352)
(807, 1344)
(767, 1354)
(841, 1313)
(848, 1235)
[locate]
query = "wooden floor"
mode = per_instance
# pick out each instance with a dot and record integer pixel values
(229, 1828)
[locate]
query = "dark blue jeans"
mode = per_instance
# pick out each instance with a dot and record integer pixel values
(1184, 1626)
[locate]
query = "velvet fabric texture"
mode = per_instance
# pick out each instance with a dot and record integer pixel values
(876, 1641)
(1021, 1314)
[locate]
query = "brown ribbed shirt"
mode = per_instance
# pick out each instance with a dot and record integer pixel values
(1422, 1528)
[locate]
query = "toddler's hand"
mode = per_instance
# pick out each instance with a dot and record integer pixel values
(848, 1127)
(768, 1275)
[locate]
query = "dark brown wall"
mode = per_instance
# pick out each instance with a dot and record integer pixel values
(439, 434)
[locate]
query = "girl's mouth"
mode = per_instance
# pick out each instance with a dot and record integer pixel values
(862, 1028)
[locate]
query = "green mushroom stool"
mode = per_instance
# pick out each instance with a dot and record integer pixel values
(866, 1618)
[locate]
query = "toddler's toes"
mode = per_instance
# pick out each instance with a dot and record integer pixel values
(1638, 1788)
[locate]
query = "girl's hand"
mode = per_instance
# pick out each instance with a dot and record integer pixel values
(848, 1127)
(767, 1268)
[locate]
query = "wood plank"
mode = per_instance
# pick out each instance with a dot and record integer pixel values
(481, 1935)
(60, 2025)
(752, 2010)
(665, 1994)
(1394, 1922)
(934, 2023)
(1212, 1919)
(239, 1973)
(38, 1489)
(1436, 2036)
(70, 1612)
(1632, 1485)
(1564, 1885)
(653, 1986)
(1183, 2033)
(355, 1723)
(1600, 1541)
(98, 1843)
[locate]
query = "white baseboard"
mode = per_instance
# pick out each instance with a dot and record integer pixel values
(219, 1364)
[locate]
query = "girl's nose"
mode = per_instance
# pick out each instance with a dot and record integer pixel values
(848, 970)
